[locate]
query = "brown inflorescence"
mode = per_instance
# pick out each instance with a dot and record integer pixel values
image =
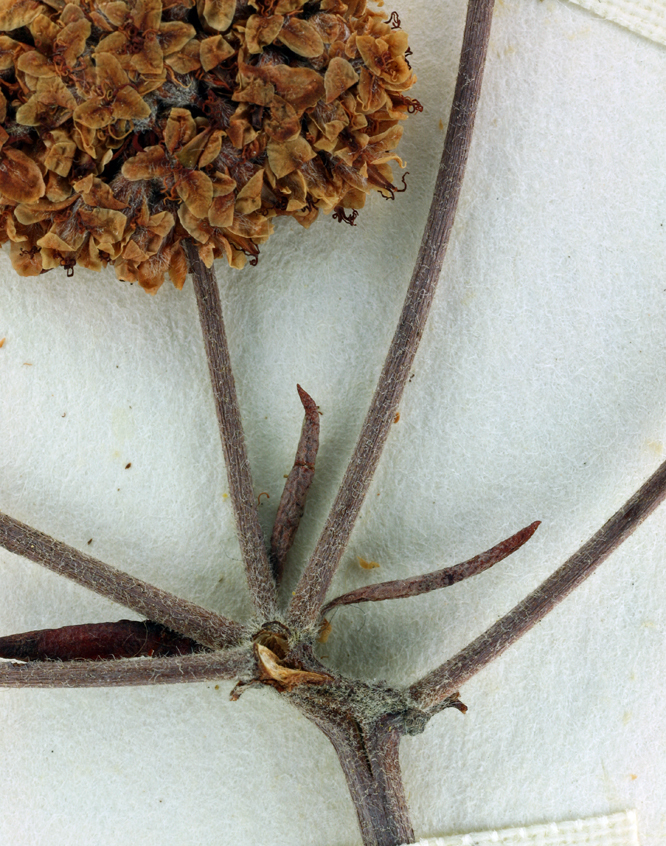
(127, 126)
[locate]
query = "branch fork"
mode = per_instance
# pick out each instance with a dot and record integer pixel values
(182, 642)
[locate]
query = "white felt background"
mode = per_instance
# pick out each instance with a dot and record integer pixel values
(539, 393)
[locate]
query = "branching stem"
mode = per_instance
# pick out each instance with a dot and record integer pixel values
(160, 606)
(311, 591)
(447, 678)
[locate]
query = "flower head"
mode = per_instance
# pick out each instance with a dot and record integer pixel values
(129, 125)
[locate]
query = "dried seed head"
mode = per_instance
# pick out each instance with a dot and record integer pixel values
(128, 125)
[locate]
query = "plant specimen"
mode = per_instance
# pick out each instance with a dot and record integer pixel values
(275, 674)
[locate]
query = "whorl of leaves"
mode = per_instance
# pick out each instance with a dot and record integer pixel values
(129, 125)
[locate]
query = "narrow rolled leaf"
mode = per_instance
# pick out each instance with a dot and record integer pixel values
(97, 641)
(401, 588)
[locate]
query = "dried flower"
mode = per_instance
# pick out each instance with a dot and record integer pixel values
(130, 125)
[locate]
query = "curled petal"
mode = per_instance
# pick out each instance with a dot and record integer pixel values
(180, 129)
(249, 197)
(219, 14)
(286, 157)
(116, 12)
(150, 59)
(110, 73)
(301, 38)
(25, 261)
(174, 35)
(191, 152)
(213, 51)
(115, 43)
(371, 92)
(130, 105)
(105, 225)
(60, 157)
(385, 57)
(221, 212)
(93, 114)
(51, 241)
(71, 43)
(148, 164)
(302, 87)
(44, 32)
(9, 49)
(212, 149)
(261, 31)
(88, 255)
(185, 60)
(17, 13)
(222, 184)
(340, 76)
(20, 178)
(94, 192)
(35, 64)
(147, 14)
(178, 269)
(196, 190)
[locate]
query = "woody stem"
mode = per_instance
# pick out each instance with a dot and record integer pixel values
(311, 591)
(250, 536)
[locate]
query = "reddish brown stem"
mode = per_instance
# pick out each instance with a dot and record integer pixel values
(129, 671)
(179, 615)
(402, 588)
(292, 502)
(311, 591)
(96, 642)
(250, 536)
(440, 683)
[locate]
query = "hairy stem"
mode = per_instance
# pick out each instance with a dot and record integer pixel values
(186, 618)
(447, 678)
(311, 591)
(250, 536)
(129, 671)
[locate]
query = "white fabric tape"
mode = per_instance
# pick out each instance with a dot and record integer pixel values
(614, 830)
(646, 17)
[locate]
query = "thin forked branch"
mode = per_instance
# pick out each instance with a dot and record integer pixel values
(415, 586)
(129, 671)
(186, 618)
(447, 678)
(311, 591)
(250, 536)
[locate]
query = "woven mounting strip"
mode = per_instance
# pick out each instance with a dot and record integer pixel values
(612, 830)
(646, 17)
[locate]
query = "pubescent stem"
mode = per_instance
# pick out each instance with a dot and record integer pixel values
(251, 538)
(440, 683)
(123, 672)
(311, 591)
(186, 618)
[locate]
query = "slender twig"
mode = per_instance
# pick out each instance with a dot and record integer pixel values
(129, 671)
(186, 618)
(250, 536)
(447, 678)
(311, 590)
(292, 502)
(416, 585)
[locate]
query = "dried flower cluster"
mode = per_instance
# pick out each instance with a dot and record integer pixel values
(129, 125)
